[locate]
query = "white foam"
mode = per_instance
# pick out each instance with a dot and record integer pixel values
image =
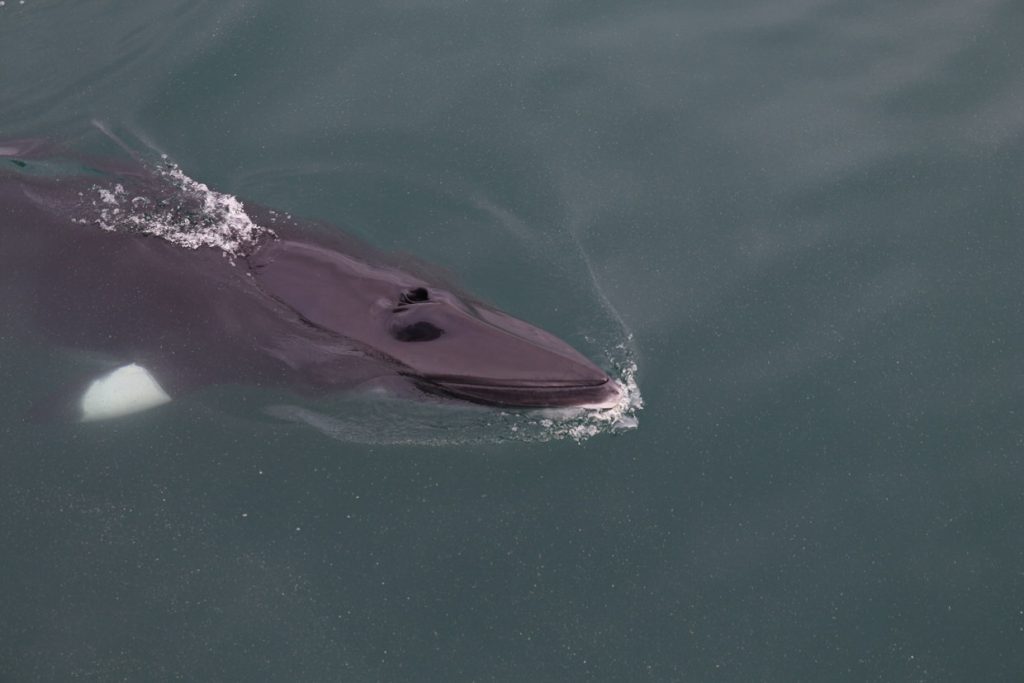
(617, 415)
(128, 389)
(178, 209)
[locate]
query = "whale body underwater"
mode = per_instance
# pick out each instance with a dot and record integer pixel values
(181, 288)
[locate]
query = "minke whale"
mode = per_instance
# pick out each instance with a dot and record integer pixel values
(180, 287)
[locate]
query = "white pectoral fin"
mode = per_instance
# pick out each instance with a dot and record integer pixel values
(128, 389)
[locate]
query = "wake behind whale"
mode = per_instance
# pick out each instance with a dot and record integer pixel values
(160, 273)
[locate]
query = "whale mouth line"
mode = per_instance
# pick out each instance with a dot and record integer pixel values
(597, 394)
(457, 381)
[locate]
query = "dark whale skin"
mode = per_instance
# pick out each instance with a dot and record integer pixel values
(293, 308)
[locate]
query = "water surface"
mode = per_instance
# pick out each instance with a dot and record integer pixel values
(802, 220)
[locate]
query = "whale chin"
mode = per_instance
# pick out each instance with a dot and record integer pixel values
(598, 394)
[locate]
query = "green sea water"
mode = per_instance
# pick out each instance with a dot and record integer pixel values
(800, 221)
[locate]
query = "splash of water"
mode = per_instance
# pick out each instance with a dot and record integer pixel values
(177, 209)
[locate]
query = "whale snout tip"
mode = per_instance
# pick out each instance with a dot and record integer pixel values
(609, 396)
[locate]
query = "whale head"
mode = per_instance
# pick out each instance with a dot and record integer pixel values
(443, 342)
